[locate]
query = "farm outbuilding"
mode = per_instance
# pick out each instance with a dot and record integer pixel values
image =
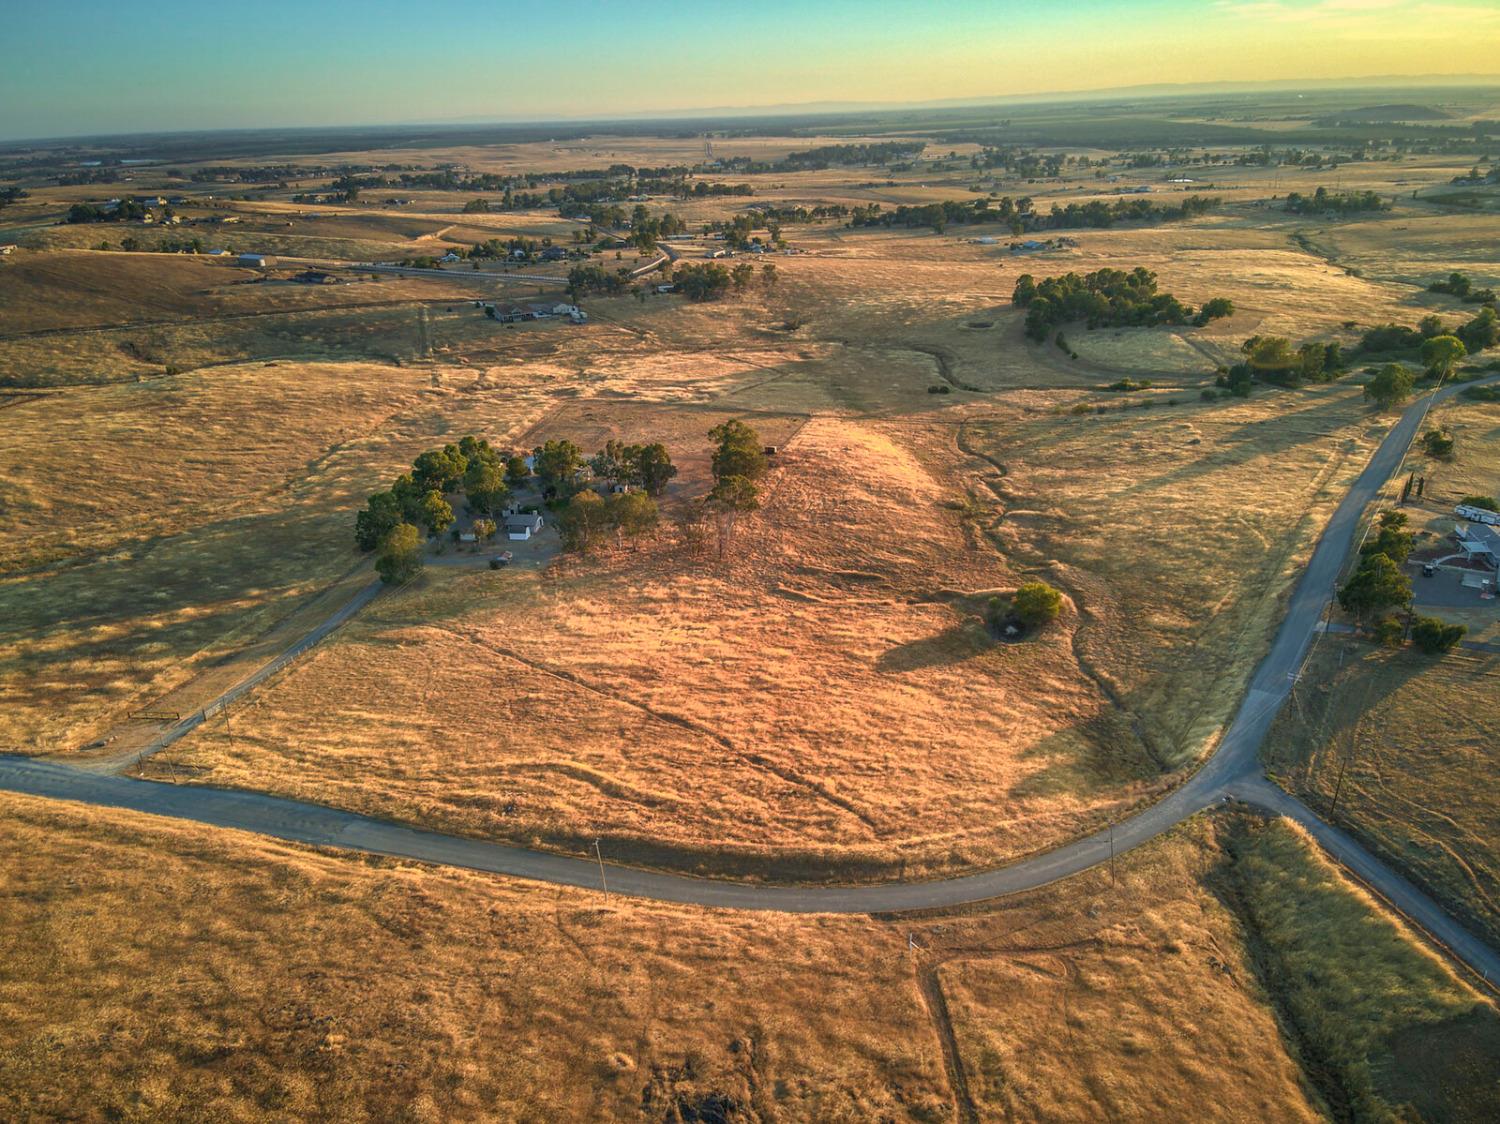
(255, 261)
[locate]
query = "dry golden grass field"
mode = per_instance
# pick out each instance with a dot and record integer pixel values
(163, 971)
(811, 695)
(688, 684)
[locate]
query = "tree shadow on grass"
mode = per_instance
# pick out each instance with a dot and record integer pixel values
(963, 641)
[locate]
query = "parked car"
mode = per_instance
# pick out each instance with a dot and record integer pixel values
(1428, 569)
(501, 559)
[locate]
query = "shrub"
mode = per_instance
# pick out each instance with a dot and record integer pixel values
(1435, 636)
(1437, 443)
(1485, 502)
(1389, 631)
(1127, 385)
(1036, 604)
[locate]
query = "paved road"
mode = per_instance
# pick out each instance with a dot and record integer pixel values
(1233, 772)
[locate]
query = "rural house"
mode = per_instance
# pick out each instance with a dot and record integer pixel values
(522, 525)
(1480, 543)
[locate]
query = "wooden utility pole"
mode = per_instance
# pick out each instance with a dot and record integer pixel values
(1338, 786)
(598, 855)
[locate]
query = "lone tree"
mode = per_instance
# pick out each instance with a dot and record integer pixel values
(1390, 387)
(1441, 354)
(400, 557)
(731, 497)
(1036, 604)
(1437, 443)
(484, 530)
(737, 452)
(1377, 584)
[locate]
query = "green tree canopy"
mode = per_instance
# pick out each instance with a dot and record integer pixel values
(653, 467)
(1442, 353)
(1390, 539)
(437, 516)
(1391, 386)
(485, 487)
(380, 516)
(633, 513)
(1377, 584)
(440, 470)
(516, 472)
(613, 463)
(1435, 636)
(556, 464)
(400, 557)
(735, 494)
(1481, 332)
(738, 451)
(582, 520)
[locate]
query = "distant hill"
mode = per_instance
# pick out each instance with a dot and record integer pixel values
(1385, 114)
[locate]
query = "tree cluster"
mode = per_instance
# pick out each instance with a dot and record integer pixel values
(1475, 335)
(1273, 359)
(711, 280)
(586, 279)
(588, 515)
(1459, 285)
(639, 466)
(419, 497)
(1105, 298)
(1323, 201)
(127, 210)
(1021, 218)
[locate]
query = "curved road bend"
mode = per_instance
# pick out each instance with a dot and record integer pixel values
(1232, 772)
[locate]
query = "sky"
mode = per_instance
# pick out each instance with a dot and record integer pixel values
(88, 67)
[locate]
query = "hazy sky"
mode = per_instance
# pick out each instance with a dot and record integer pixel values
(90, 66)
